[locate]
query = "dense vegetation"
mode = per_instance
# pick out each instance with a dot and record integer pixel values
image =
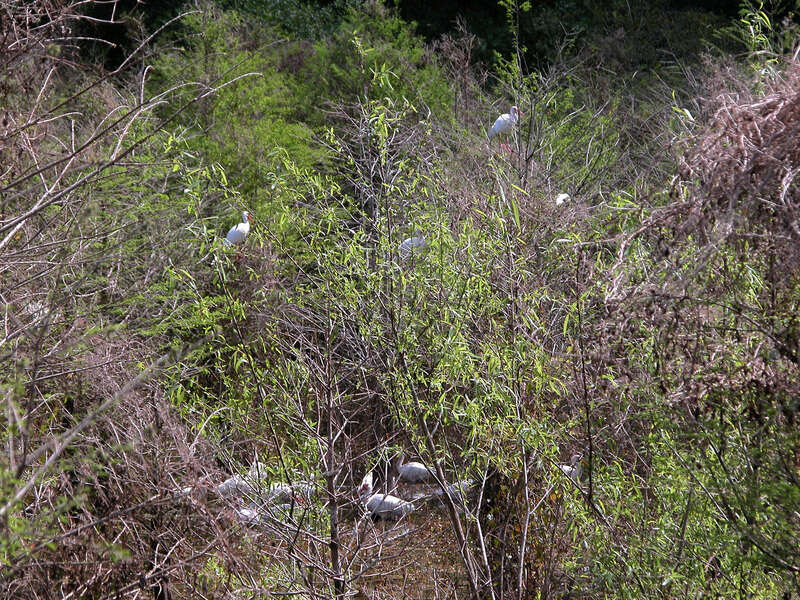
(649, 323)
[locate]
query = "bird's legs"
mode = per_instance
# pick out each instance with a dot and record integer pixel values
(504, 145)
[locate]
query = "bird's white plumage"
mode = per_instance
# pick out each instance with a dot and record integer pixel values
(410, 245)
(238, 233)
(574, 469)
(384, 506)
(235, 486)
(279, 492)
(504, 123)
(412, 472)
(253, 486)
(458, 491)
(286, 493)
(387, 506)
(561, 198)
(248, 515)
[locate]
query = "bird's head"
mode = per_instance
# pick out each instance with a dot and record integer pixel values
(246, 217)
(299, 500)
(516, 112)
(365, 489)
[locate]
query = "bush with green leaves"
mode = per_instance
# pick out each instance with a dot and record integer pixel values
(373, 54)
(245, 123)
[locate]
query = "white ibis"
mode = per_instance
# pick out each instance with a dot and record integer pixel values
(235, 486)
(561, 198)
(286, 493)
(457, 491)
(574, 469)
(248, 515)
(410, 245)
(411, 472)
(237, 234)
(504, 124)
(382, 506)
(264, 516)
(282, 493)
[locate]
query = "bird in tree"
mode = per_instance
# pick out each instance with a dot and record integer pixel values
(236, 487)
(382, 506)
(285, 493)
(574, 469)
(411, 472)
(504, 125)
(410, 246)
(238, 233)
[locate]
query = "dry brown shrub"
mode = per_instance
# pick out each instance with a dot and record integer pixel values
(126, 527)
(741, 169)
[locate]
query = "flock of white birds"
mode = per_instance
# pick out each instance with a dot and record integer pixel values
(260, 502)
(270, 500)
(503, 125)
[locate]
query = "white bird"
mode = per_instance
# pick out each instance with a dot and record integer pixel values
(254, 490)
(574, 469)
(458, 490)
(561, 198)
(235, 486)
(248, 515)
(383, 506)
(286, 493)
(504, 124)
(238, 233)
(244, 487)
(411, 472)
(408, 246)
(283, 493)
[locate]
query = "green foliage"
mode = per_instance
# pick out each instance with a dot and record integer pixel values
(274, 107)
(765, 40)
(372, 54)
(301, 19)
(254, 114)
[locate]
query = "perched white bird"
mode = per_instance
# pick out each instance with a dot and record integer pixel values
(383, 506)
(561, 198)
(574, 469)
(411, 472)
(504, 124)
(410, 245)
(236, 486)
(238, 233)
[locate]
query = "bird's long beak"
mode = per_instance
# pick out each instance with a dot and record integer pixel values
(250, 218)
